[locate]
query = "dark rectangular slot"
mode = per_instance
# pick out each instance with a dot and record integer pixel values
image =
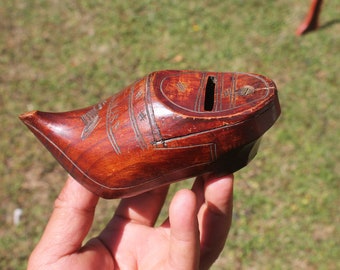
(209, 94)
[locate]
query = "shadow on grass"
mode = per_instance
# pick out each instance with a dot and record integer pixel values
(329, 24)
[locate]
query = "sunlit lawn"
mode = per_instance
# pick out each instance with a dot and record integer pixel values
(62, 55)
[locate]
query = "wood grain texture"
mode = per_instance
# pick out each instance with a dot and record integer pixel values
(165, 127)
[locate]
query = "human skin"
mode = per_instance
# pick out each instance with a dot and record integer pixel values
(191, 238)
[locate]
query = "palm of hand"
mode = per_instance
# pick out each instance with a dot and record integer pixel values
(192, 237)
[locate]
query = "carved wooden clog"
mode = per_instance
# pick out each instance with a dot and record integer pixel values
(165, 127)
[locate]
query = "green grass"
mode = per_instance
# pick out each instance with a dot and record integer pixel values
(57, 56)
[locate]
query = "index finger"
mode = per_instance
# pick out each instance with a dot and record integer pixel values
(69, 223)
(215, 215)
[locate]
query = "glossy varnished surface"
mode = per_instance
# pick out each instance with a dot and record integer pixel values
(165, 127)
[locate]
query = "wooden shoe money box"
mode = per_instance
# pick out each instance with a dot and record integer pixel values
(168, 126)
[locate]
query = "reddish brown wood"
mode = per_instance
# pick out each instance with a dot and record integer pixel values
(165, 127)
(311, 22)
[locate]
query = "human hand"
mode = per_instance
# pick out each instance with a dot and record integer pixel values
(191, 238)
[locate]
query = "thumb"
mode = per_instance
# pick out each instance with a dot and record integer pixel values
(184, 232)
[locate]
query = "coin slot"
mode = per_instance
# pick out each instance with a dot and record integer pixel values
(210, 94)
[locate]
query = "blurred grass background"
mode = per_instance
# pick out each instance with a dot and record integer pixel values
(63, 55)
